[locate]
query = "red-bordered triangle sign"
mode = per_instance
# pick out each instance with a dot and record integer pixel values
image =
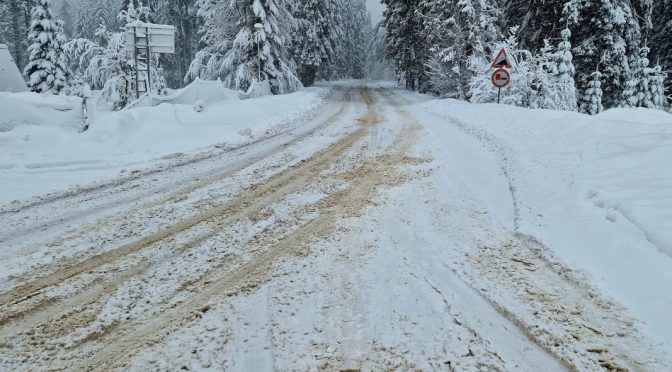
(502, 60)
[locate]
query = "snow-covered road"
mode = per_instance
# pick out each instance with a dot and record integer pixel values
(372, 235)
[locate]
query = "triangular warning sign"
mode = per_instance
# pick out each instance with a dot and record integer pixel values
(502, 60)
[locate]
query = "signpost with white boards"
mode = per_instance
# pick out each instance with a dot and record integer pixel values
(142, 39)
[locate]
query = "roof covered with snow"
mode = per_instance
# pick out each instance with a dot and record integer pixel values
(10, 77)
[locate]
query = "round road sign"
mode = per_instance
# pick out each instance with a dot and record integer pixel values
(501, 78)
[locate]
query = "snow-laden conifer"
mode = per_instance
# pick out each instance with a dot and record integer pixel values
(604, 37)
(565, 84)
(646, 87)
(591, 101)
(315, 36)
(106, 65)
(405, 44)
(247, 41)
(47, 69)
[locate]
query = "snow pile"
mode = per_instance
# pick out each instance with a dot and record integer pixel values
(198, 92)
(257, 89)
(597, 190)
(51, 154)
(39, 110)
(10, 77)
(201, 90)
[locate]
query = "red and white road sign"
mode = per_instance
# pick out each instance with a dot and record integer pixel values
(501, 78)
(502, 60)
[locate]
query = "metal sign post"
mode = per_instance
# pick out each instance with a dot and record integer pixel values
(501, 77)
(143, 39)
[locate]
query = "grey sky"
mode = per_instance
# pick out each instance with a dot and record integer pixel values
(376, 9)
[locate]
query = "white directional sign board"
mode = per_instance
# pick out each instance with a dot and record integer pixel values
(159, 38)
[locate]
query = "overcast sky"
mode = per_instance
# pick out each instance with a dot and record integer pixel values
(376, 9)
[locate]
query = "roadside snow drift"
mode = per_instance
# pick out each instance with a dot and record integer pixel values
(48, 154)
(597, 190)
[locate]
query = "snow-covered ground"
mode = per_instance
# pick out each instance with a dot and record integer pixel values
(597, 190)
(44, 151)
(375, 229)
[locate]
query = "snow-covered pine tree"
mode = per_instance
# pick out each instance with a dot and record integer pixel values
(247, 41)
(545, 69)
(524, 73)
(14, 25)
(378, 64)
(455, 32)
(565, 85)
(105, 64)
(591, 101)
(357, 27)
(218, 30)
(405, 46)
(538, 20)
(657, 88)
(315, 36)
(336, 68)
(66, 14)
(634, 94)
(82, 27)
(660, 40)
(645, 89)
(47, 69)
(604, 33)
(181, 14)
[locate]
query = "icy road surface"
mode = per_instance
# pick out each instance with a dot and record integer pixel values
(346, 243)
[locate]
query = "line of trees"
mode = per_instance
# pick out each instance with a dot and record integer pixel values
(571, 54)
(290, 43)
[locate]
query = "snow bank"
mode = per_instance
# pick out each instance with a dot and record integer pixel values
(201, 90)
(51, 155)
(39, 110)
(597, 190)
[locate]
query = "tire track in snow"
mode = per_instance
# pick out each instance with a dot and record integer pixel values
(292, 181)
(231, 210)
(121, 191)
(128, 338)
(554, 305)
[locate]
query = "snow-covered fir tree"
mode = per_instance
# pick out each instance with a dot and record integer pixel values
(15, 22)
(591, 101)
(646, 85)
(47, 69)
(65, 13)
(357, 26)
(657, 88)
(105, 64)
(247, 41)
(315, 36)
(455, 32)
(183, 15)
(545, 73)
(659, 37)
(520, 91)
(565, 85)
(538, 20)
(602, 36)
(405, 45)
(378, 64)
